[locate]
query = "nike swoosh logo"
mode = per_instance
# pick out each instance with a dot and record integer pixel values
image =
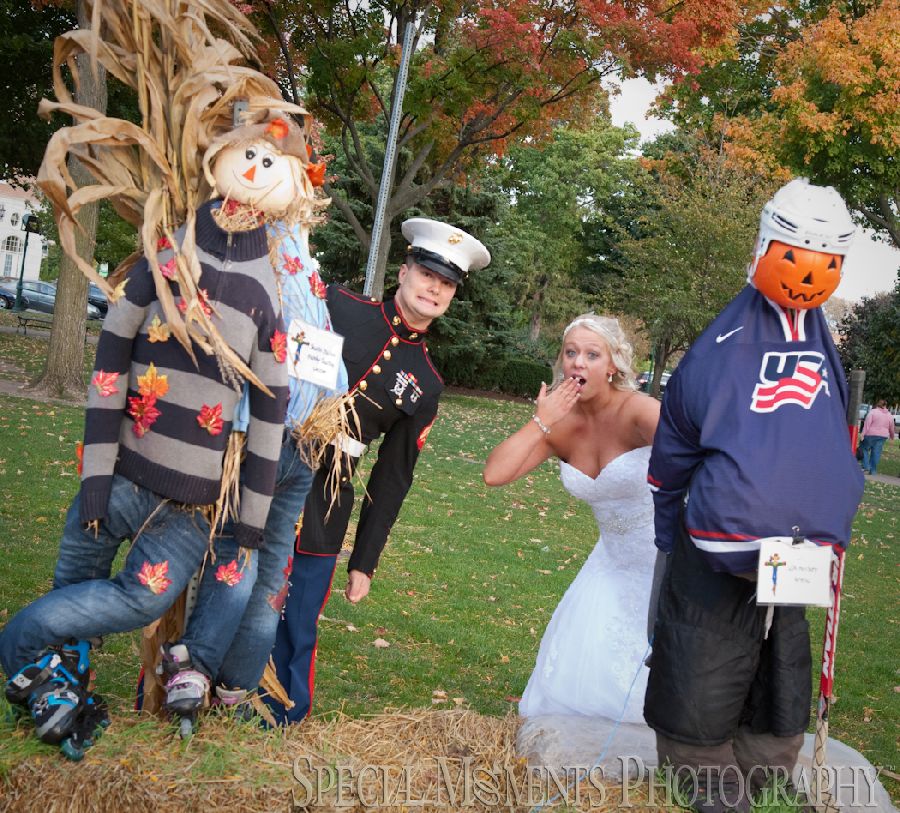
(721, 338)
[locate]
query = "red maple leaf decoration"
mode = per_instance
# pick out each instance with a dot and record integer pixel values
(168, 269)
(276, 600)
(279, 346)
(277, 128)
(202, 298)
(210, 418)
(229, 574)
(163, 243)
(316, 173)
(316, 285)
(79, 456)
(292, 264)
(105, 383)
(154, 576)
(144, 412)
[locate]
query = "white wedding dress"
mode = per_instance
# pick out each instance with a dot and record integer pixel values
(597, 638)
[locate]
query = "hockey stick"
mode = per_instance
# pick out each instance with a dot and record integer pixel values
(823, 800)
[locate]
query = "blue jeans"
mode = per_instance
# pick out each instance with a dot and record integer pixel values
(871, 452)
(168, 545)
(235, 654)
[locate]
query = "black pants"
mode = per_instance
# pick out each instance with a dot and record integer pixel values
(713, 670)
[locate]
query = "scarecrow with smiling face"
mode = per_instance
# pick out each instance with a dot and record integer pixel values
(158, 421)
(753, 433)
(232, 627)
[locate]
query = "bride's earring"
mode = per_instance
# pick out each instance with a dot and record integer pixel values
(609, 378)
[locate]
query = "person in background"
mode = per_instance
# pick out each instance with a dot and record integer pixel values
(877, 428)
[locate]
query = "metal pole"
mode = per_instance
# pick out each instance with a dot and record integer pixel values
(857, 382)
(18, 305)
(390, 154)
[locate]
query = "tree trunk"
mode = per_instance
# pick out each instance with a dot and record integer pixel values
(63, 374)
(662, 349)
(537, 307)
(381, 266)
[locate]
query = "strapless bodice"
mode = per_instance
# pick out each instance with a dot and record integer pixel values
(622, 504)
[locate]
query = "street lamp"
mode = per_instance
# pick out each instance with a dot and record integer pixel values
(31, 225)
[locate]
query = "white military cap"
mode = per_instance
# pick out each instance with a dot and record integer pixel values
(443, 248)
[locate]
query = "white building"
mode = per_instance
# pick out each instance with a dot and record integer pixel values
(14, 204)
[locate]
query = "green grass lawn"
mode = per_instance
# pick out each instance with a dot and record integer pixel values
(890, 458)
(8, 319)
(22, 357)
(466, 585)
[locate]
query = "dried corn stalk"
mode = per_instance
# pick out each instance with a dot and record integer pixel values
(186, 80)
(330, 420)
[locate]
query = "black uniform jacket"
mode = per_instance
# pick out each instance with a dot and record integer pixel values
(396, 391)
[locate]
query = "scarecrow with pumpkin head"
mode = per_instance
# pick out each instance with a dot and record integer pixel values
(752, 443)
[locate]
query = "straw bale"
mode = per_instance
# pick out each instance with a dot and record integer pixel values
(140, 765)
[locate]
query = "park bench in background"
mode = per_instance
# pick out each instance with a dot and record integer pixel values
(27, 320)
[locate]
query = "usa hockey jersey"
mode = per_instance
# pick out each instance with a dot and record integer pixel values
(753, 431)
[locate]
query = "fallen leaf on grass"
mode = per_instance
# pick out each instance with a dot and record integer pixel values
(351, 628)
(504, 659)
(868, 714)
(380, 643)
(512, 699)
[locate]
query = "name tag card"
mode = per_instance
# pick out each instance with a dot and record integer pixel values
(793, 574)
(314, 355)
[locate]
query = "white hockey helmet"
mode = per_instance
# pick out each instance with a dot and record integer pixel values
(806, 216)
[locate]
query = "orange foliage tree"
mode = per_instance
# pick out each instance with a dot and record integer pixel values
(808, 88)
(838, 110)
(485, 74)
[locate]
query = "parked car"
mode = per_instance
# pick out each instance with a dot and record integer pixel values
(643, 382)
(8, 294)
(42, 297)
(98, 299)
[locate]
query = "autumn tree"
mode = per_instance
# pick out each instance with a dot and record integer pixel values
(838, 110)
(559, 193)
(870, 341)
(27, 34)
(808, 88)
(486, 75)
(63, 368)
(689, 254)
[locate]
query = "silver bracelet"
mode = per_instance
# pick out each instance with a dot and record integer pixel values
(541, 425)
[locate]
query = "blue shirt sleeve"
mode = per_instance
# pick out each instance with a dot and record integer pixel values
(676, 454)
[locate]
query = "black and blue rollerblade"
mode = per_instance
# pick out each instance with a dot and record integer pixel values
(186, 687)
(55, 690)
(92, 722)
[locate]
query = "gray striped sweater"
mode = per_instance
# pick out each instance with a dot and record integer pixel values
(162, 421)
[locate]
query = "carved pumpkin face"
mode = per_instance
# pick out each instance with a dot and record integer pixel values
(797, 277)
(257, 174)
